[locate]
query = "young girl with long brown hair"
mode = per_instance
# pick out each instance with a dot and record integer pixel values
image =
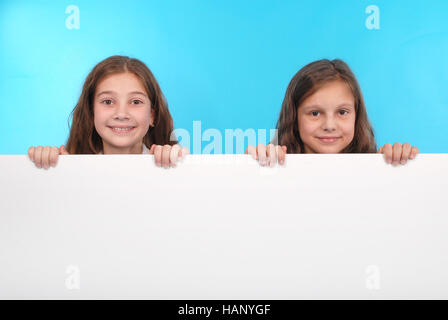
(121, 110)
(323, 112)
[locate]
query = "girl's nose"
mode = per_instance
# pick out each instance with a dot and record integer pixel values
(329, 124)
(121, 117)
(121, 113)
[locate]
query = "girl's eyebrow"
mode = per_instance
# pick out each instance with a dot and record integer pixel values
(345, 104)
(313, 106)
(317, 106)
(105, 92)
(113, 92)
(137, 92)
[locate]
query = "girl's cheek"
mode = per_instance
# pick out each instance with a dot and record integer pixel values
(97, 113)
(100, 120)
(97, 120)
(311, 125)
(102, 115)
(143, 116)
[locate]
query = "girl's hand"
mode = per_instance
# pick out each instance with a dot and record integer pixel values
(267, 155)
(397, 153)
(44, 157)
(167, 156)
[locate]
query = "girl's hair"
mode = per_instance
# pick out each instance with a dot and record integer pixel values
(84, 139)
(306, 82)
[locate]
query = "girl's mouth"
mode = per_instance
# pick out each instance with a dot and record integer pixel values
(121, 130)
(328, 139)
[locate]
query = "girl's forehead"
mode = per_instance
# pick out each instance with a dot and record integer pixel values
(330, 95)
(121, 83)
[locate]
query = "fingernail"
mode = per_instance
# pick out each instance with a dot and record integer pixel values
(395, 163)
(403, 161)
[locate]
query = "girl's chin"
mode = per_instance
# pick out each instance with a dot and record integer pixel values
(331, 150)
(328, 149)
(120, 143)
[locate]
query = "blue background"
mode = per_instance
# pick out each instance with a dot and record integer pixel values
(225, 63)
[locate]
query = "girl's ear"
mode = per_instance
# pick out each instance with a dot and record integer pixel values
(151, 118)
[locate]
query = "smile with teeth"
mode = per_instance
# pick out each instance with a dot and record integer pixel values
(122, 129)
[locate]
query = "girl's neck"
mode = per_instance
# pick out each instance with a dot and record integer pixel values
(135, 149)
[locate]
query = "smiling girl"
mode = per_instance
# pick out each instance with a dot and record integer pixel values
(323, 112)
(121, 110)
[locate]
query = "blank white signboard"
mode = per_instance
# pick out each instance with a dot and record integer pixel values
(222, 227)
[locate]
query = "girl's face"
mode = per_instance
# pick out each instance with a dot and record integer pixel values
(327, 119)
(122, 113)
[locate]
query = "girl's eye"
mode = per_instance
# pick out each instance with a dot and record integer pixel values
(315, 113)
(107, 101)
(342, 112)
(136, 102)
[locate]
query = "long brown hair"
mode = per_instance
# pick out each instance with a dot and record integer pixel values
(306, 82)
(84, 139)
